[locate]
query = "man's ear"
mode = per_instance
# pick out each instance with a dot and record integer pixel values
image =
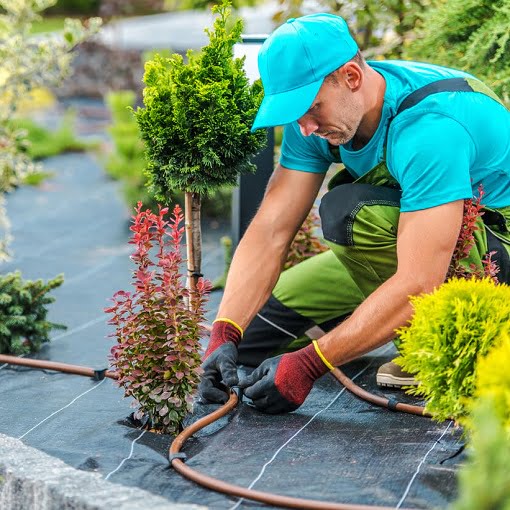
(352, 75)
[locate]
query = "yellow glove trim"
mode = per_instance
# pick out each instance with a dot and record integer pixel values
(223, 319)
(321, 356)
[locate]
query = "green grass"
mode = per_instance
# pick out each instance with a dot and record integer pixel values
(49, 24)
(43, 143)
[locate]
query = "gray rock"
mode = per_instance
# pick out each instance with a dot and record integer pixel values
(31, 479)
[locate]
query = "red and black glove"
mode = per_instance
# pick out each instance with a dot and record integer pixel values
(220, 363)
(281, 384)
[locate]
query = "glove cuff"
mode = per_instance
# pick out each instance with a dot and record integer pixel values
(312, 362)
(222, 332)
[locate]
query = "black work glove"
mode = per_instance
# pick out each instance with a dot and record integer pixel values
(281, 384)
(220, 364)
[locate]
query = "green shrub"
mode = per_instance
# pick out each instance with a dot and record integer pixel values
(468, 34)
(75, 7)
(493, 381)
(197, 116)
(156, 356)
(43, 143)
(451, 328)
(127, 162)
(484, 482)
(23, 324)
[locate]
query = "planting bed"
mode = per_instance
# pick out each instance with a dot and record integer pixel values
(335, 448)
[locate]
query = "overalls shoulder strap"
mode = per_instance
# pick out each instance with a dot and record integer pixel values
(379, 175)
(446, 85)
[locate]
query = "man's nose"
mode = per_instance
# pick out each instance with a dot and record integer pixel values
(307, 125)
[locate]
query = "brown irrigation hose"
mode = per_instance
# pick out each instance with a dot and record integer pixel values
(59, 367)
(376, 399)
(234, 490)
(175, 456)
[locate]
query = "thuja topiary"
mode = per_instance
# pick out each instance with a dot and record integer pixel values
(158, 325)
(23, 324)
(451, 328)
(196, 123)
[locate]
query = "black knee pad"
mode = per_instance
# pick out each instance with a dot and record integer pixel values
(340, 206)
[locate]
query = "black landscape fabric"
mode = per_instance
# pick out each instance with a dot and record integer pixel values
(334, 448)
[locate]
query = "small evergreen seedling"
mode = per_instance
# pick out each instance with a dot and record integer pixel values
(196, 124)
(157, 352)
(451, 328)
(23, 324)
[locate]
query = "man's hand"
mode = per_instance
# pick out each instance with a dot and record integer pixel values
(220, 363)
(281, 384)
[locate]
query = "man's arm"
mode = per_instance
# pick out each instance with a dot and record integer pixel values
(425, 243)
(261, 253)
(253, 273)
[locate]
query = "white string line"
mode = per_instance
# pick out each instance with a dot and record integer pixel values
(6, 364)
(61, 409)
(62, 239)
(127, 458)
(406, 492)
(259, 476)
(81, 327)
(277, 327)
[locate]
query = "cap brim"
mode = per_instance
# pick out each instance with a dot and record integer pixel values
(286, 107)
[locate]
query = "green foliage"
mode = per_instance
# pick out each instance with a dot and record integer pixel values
(371, 21)
(75, 7)
(127, 162)
(46, 24)
(451, 328)
(484, 482)
(40, 142)
(23, 324)
(493, 382)
(158, 332)
(197, 116)
(468, 34)
(27, 62)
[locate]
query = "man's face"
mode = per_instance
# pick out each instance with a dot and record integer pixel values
(335, 113)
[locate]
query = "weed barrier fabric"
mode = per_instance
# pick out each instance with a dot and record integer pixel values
(351, 452)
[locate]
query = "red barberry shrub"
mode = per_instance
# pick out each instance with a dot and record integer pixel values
(473, 211)
(159, 324)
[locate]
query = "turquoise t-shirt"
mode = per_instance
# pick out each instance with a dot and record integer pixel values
(439, 151)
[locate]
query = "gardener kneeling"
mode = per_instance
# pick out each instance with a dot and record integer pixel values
(416, 141)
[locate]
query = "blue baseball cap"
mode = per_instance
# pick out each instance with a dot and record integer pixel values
(293, 62)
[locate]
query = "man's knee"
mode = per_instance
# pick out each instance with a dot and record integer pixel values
(341, 206)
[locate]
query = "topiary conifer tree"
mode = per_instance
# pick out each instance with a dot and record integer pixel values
(196, 124)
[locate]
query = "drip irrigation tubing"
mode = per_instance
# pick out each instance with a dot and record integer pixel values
(177, 458)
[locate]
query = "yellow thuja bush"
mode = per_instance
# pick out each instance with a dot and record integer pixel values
(493, 382)
(451, 329)
(484, 481)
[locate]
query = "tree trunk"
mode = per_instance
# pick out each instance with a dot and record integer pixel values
(193, 238)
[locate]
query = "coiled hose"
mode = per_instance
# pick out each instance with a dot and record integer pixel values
(176, 457)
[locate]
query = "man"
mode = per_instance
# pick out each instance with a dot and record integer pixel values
(417, 140)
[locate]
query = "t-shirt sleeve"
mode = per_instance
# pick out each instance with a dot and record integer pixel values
(430, 155)
(305, 153)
